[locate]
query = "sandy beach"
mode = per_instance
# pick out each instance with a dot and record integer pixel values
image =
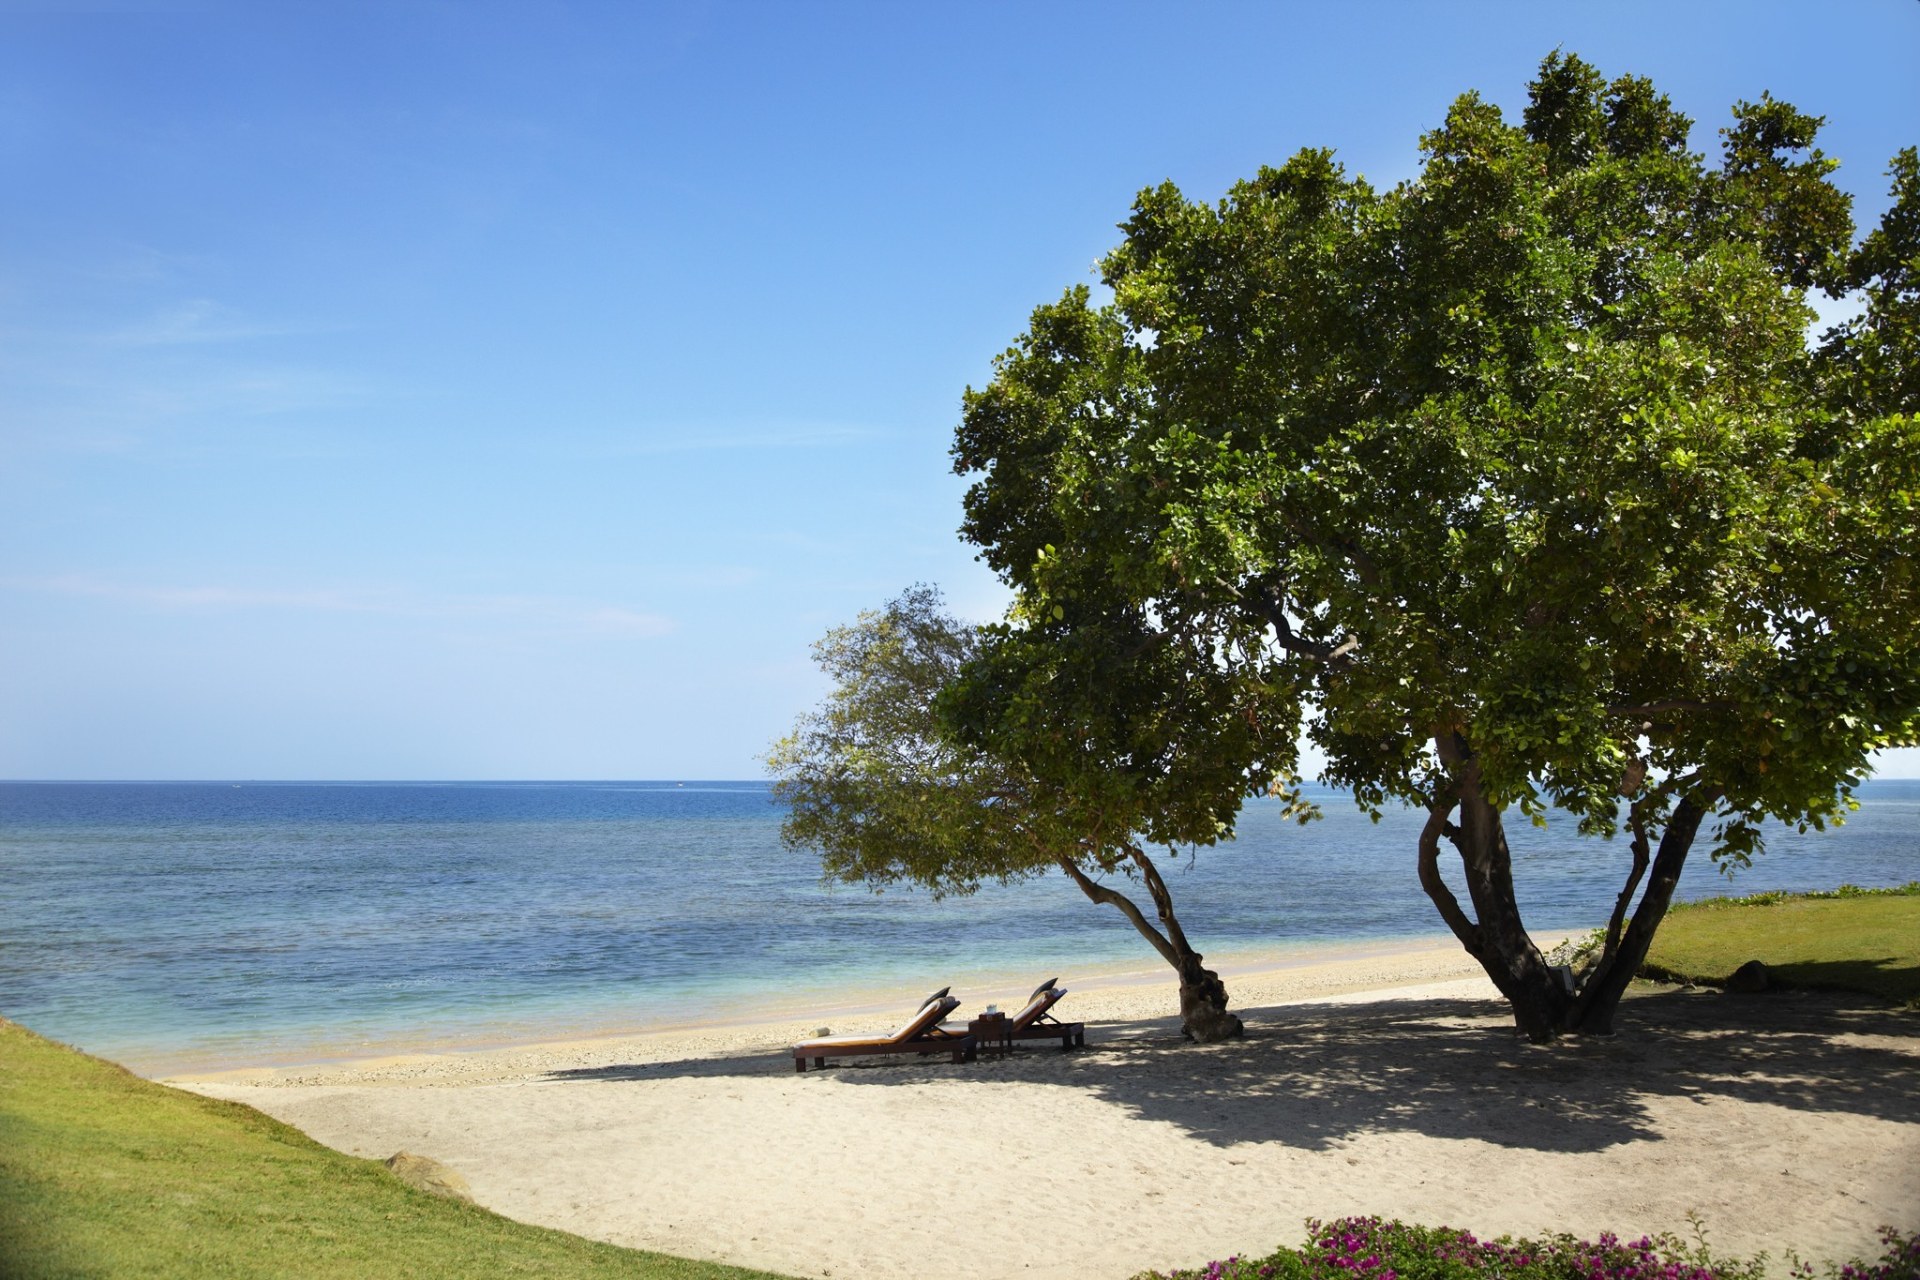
(1384, 1081)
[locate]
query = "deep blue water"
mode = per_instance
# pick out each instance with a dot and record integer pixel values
(161, 923)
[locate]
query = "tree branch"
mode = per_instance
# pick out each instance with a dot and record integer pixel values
(1125, 905)
(1680, 783)
(1674, 704)
(1642, 854)
(1162, 899)
(1464, 929)
(1606, 982)
(1273, 612)
(1363, 566)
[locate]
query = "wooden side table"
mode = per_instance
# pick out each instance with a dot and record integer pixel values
(993, 1032)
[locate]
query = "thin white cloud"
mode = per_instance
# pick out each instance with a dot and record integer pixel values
(807, 543)
(538, 611)
(627, 622)
(201, 597)
(167, 381)
(703, 441)
(723, 577)
(192, 322)
(244, 391)
(135, 262)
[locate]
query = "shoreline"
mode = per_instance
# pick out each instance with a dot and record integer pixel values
(1389, 1084)
(1140, 992)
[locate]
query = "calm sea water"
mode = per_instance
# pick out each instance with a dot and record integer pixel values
(173, 923)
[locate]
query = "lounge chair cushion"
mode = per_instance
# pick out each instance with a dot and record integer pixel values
(1045, 986)
(844, 1040)
(1043, 1000)
(929, 1015)
(919, 1025)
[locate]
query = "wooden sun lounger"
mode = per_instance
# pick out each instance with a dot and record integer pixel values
(922, 1034)
(1036, 1021)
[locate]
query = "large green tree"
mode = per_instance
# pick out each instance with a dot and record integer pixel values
(877, 784)
(1519, 484)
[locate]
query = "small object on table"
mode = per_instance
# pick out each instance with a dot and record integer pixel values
(993, 1032)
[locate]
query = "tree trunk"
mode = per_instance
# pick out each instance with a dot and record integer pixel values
(1592, 1013)
(1203, 997)
(1507, 953)
(1203, 1004)
(1497, 937)
(1543, 1007)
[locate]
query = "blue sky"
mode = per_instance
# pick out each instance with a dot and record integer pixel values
(413, 390)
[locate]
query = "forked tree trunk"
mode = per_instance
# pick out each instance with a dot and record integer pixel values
(1203, 997)
(1543, 1007)
(1599, 997)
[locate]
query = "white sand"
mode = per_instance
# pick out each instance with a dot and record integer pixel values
(1386, 1081)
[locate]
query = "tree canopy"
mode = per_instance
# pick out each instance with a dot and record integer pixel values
(1516, 484)
(875, 786)
(878, 784)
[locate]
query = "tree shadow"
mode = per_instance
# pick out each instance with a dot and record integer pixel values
(888, 1069)
(1886, 976)
(1315, 1076)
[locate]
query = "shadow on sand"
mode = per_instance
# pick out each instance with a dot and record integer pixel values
(1313, 1076)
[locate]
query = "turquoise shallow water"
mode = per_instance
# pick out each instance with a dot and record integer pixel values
(164, 923)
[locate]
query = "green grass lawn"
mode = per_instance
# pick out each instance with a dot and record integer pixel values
(105, 1174)
(1851, 939)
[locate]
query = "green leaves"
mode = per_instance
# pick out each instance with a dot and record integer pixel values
(1532, 441)
(1873, 361)
(875, 783)
(1800, 219)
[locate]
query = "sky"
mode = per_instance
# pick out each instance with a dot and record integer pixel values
(516, 391)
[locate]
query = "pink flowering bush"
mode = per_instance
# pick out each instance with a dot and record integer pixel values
(1373, 1249)
(1901, 1261)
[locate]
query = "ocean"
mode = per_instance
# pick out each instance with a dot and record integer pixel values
(176, 925)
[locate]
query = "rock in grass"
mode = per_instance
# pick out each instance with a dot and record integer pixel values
(1749, 978)
(429, 1175)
